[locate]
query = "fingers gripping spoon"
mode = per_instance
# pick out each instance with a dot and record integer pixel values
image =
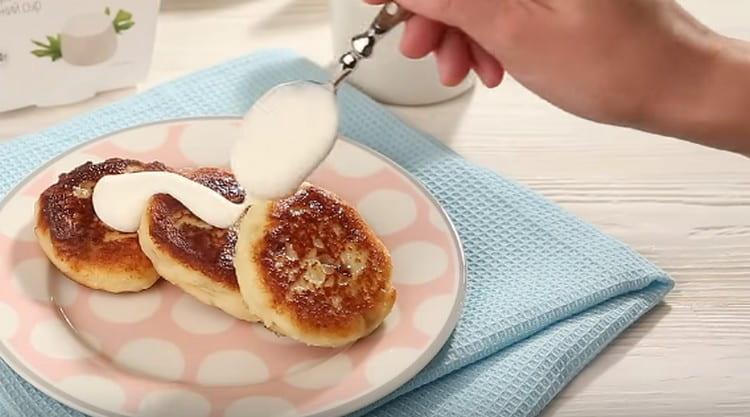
(291, 129)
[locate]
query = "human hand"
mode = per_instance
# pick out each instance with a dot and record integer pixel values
(610, 61)
(457, 53)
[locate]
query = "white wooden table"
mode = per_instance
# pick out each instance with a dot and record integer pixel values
(685, 207)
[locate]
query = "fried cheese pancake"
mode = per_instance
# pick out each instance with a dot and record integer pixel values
(191, 254)
(79, 244)
(311, 268)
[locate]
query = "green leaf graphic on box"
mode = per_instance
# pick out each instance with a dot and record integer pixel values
(51, 49)
(123, 20)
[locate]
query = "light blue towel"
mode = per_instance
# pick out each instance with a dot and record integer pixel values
(546, 292)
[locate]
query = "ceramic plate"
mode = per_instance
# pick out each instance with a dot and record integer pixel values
(161, 353)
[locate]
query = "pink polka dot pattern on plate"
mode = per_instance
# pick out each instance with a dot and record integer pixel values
(388, 211)
(316, 375)
(17, 208)
(174, 403)
(160, 352)
(260, 407)
(407, 272)
(8, 321)
(232, 368)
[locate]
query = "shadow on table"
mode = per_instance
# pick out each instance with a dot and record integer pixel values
(613, 354)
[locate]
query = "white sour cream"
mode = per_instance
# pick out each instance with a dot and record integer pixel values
(286, 135)
(119, 200)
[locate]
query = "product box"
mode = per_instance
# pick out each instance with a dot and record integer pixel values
(55, 52)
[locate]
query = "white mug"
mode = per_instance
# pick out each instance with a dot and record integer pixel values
(387, 75)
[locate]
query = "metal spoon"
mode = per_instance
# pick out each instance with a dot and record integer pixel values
(390, 16)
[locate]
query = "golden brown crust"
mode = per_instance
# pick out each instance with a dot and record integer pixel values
(322, 266)
(191, 254)
(78, 242)
(188, 240)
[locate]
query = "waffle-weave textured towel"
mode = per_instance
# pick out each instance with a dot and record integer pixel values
(546, 292)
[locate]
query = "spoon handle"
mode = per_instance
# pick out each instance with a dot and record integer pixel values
(390, 16)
